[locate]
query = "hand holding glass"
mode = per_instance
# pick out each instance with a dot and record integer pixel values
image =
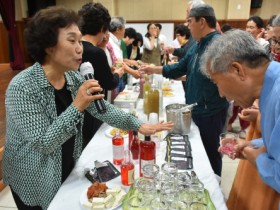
(227, 142)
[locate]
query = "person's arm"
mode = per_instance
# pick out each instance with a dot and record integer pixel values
(135, 73)
(180, 52)
(29, 112)
(268, 163)
(102, 70)
(177, 70)
(120, 119)
(149, 43)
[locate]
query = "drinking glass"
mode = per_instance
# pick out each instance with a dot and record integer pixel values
(227, 143)
(157, 204)
(146, 189)
(178, 205)
(198, 206)
(168, 192)
(197, 191)
(150, 171)
(135, 203)
(169, 168)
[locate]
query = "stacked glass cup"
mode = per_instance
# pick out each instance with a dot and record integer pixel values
(167, 189)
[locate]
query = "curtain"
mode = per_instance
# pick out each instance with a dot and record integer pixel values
(7, 11)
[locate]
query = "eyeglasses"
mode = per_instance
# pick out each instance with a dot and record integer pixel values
(274, 42)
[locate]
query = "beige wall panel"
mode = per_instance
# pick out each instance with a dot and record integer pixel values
(269, 8)
(238, 9)
(220, 7)
(72, 4)
(151, 9)
(166, 9)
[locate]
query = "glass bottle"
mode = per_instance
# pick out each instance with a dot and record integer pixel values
(147, 153)
(132, 111)
(146, 89)
(118, 148)
(153, 100)
(142, 81)
(134, 148)
(127, 170)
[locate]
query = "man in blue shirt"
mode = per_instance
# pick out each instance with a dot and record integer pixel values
(240, 68)
(210, 113)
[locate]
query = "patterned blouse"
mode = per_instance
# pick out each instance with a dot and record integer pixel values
(32, 158)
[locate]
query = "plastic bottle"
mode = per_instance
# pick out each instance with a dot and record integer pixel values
(147, 153)
(118, 148)
(127, 170)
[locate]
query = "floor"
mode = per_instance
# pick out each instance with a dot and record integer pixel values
(228, 173)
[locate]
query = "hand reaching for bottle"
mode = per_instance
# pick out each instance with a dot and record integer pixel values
(149, 129)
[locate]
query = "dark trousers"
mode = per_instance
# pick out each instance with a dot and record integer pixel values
(210, 128)
(23, 206)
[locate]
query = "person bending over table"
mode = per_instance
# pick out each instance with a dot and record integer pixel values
(243, 73)
(45, 107)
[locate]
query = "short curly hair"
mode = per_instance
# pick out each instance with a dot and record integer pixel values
(41, 31)
(94, 18)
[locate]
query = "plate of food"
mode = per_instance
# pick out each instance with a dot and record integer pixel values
(167, 94)
(103, 196)
(111, 132)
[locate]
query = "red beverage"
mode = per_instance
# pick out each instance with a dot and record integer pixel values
(227, 146)
(127, 170)
(134, 147)
(130, 138)
(118, 148)
(147, 153)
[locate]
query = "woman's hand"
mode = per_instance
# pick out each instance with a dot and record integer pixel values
(135, 73)
(84, 96)
(149, 129)
(119, 71)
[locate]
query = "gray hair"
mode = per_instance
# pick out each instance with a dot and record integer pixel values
(194, 3)
(116, 22)
(276, 21)
(234, 45)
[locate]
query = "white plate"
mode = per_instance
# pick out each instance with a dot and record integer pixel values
(107, 133)
(83, 197)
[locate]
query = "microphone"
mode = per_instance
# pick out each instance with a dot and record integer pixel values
(87, 72)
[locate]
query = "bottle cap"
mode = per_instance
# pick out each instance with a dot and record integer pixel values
(147, 138)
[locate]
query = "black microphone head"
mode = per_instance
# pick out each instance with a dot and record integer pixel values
(86, 68)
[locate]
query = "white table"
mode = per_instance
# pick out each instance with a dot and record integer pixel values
(100, 148)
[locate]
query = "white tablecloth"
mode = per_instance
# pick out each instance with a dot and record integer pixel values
(100, 148)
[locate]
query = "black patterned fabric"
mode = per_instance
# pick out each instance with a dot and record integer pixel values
(33, 150)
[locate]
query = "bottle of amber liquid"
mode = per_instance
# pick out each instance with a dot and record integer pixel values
(127, 170)
(134, 147)
(153, 100)
(146, 90)
(118, 148)
(147, 153)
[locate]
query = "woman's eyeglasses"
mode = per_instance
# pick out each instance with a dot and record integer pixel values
(274, 42)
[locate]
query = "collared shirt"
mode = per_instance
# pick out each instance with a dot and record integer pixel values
(268, 163)
(116, 44)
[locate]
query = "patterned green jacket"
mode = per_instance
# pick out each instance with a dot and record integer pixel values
(32, 157)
